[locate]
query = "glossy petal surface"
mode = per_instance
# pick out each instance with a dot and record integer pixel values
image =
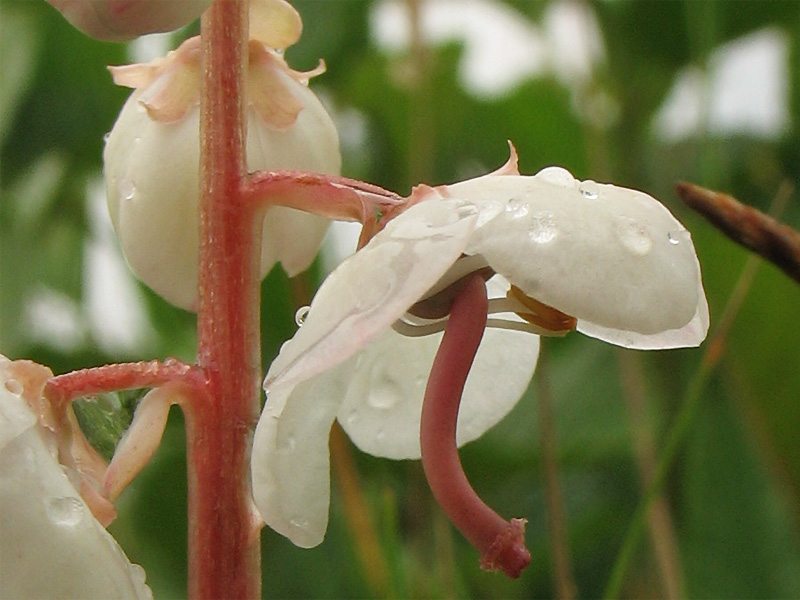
(382, 408)
(374, 287)
(612, 257)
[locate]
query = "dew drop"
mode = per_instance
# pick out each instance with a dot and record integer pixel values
(301, 315)
(299, 522)
(516, 208)
(543, 229)
(556, 176)
(590, 190)
(127, 189)
(674, 237)
(384, 393)
(352, 417)
(464, 211)
(380, 435)
(106, 136)
(14, 387)
(633, 236)
(66, 511)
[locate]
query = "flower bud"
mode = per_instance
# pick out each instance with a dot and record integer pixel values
(120, 20)
(152, 157)
(52, 547)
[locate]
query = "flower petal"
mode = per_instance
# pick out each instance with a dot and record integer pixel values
(274, 23)
(381, 411)
(612, 257)
(374, 287)
(52, 545)
(290, 460)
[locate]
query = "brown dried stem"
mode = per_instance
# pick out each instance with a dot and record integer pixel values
(756, 231)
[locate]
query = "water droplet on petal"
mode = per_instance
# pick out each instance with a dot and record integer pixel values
(299, 522)
(589, 190)
(14, 387)
(466, 210)
(66, 512)
(127, 189)
(543, 229)
(516, 208)
(633, 236)
(301, 315)
(380, 435)
(105, 137)
(352, 417)
(675, 237)
(384, 393)
(556, 176)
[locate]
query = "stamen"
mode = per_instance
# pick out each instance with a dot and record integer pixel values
(539, 313)
(500, 542)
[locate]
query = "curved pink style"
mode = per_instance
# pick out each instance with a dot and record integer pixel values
(501, 542)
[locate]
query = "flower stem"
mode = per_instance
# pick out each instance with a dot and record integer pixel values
(224, 549)
(500, 542)
(65, 388)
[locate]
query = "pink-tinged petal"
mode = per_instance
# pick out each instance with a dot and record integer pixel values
(170, 86)
(290, 459)
(174, 94)
(47, 527)
(374, 287)
(270, 91)
(142, 439)
(275, 23)
(382, 407)
(136, 75)
(511, 166)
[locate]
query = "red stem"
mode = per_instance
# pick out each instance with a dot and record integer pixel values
(501, 543)
(65, 388)
(224, 548)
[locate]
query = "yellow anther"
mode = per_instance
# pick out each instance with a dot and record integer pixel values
(542, 315)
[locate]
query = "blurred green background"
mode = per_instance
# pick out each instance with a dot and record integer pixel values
(639, 93)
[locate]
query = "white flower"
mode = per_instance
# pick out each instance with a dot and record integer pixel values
(52, 545)
(152, 156)
(611, 261)
(119, 20)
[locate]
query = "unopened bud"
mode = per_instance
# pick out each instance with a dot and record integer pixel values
(120, 20)
(152, 163)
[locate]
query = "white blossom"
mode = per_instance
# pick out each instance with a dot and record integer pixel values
(609, 261)
(52, 545)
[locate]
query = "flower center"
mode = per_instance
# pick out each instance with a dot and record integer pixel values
(542, 315)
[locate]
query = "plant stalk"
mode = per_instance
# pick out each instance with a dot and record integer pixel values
(224, 547)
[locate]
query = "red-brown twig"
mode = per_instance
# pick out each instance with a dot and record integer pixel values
(747, 226)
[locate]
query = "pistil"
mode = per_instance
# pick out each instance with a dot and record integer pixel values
(500, 542)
